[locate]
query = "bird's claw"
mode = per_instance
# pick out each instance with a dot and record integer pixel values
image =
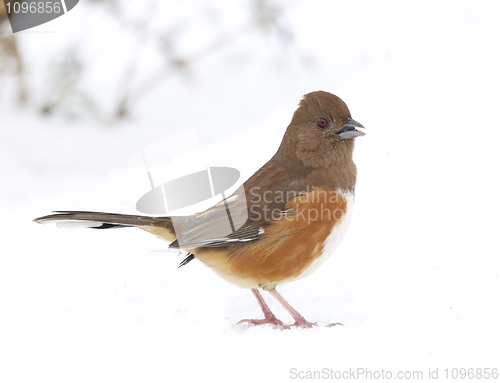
(334, 324)
(303, 324)
(277, 324)
(268, 320)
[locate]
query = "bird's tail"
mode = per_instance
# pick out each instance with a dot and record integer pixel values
(97, 220)
(159, 226)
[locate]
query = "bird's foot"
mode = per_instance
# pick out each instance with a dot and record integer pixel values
(277, 324)
(302, 323)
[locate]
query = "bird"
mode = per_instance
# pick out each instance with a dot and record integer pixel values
(292, 213)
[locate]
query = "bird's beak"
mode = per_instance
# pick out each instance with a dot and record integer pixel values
(348, 130)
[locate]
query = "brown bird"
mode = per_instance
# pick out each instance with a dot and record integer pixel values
(285, 220)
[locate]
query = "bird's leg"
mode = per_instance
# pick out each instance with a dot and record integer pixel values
(299, 319)
(269, 317)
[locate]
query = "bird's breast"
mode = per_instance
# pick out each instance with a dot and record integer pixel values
(293, 246)
(337, 234)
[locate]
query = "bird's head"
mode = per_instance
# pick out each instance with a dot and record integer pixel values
(322, 131)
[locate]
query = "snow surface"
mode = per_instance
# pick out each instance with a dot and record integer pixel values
(415, 282)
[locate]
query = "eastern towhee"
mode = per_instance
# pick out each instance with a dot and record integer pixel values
(297, 209)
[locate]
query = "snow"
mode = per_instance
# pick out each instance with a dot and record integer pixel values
(415, 281)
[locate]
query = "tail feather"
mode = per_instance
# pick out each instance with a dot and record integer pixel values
(160, 226)
(108, 220)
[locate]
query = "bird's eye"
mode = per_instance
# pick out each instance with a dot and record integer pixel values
(322, 122)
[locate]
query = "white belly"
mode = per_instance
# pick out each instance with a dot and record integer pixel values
(336, 236)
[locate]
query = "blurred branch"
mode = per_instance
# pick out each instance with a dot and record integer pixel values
(63, 91)
(264, 17)
(64, 94)
(173, 66)
(9, 50)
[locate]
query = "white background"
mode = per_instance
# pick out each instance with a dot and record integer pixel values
(416, 280)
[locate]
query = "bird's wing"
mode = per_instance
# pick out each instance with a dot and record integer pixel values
(240, 218)
(223, 224)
